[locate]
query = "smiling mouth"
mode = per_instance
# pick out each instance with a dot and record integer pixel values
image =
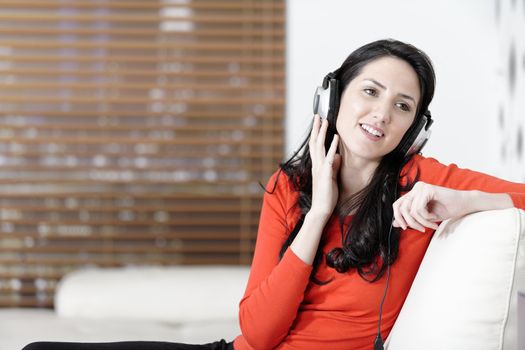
(371, 131)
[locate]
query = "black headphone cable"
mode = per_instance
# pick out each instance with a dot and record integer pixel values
(378, 343)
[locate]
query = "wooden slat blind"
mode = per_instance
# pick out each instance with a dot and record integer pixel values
(133, 132)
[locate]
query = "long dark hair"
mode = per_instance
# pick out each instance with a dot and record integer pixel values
(365, 244)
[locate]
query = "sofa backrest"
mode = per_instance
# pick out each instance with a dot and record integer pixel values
(465, 293)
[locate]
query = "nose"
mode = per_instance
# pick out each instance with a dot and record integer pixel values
(382, 113)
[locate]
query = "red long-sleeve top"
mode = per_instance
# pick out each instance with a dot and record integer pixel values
(282, 309)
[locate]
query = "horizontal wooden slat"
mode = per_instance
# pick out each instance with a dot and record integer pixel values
(245, 58)
(102, 177)
(196, 221)
(80, 86)
(143, 45)
(27, 289)
(143, 114)
(110, 181)
(137, 170)
(145, 5)
(127, 237)
(146, 100)
(142, 18)
(142, 140)
(112, 248)
(135, 196)
(27, 275)
(27, 302)
(112, 262)
(201, 127)
(181, 208)
(143, 73)
(158, 155)
(275, 33)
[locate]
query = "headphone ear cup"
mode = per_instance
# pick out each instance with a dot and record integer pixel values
(326, 98)
(416, 138)
(334, 100)
(321, 103)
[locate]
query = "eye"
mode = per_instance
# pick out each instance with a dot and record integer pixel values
(370, 91)
(404, 106)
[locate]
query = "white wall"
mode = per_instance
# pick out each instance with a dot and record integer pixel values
(461, 37)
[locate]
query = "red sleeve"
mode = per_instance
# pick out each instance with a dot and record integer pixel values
(451, 176)
(275, 288)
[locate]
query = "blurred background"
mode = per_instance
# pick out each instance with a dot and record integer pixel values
(137, 132)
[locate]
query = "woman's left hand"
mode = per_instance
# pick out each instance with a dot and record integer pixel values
(426, 205)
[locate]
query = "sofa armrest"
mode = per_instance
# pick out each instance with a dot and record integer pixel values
(464, 295)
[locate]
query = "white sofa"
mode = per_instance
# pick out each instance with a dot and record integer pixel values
(188, 304)
(464, 297)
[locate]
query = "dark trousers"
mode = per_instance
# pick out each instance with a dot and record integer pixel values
(128, 345)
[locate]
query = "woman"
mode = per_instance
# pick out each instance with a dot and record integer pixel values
(331, 212)
(352, 213)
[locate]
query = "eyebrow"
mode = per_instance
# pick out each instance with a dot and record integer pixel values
(384, 88)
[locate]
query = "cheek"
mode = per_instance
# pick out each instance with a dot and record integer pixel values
(347, 117)
(343, 125)
(401, 132)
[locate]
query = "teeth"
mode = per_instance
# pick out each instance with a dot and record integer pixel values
(371, 130)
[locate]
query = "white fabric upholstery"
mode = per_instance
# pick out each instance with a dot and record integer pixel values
(465, 292)
(166, 294)
(22, 326)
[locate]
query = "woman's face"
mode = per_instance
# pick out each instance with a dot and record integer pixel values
(377, 108)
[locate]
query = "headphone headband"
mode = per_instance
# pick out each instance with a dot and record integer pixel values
(326, 80)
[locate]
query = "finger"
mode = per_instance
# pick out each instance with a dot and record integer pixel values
(314, 132)
(419, 209)
(398, 218)
(313, 140)
(422, 215)
(332, 150)
(405, 209)
(315, 129)
(321, 139)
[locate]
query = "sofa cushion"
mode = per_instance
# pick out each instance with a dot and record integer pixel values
(178, 294)
(465, 293)
(22, 326)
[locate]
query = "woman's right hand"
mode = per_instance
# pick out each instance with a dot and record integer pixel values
(325, 167)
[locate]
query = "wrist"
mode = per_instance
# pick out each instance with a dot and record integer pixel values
(316, 216)
(490, 201)
(307, 240)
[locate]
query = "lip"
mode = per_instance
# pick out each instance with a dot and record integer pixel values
(370, 136)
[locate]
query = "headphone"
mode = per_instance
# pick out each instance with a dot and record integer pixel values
(326, 104)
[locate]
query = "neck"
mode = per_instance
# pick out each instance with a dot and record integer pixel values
(355, 174)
